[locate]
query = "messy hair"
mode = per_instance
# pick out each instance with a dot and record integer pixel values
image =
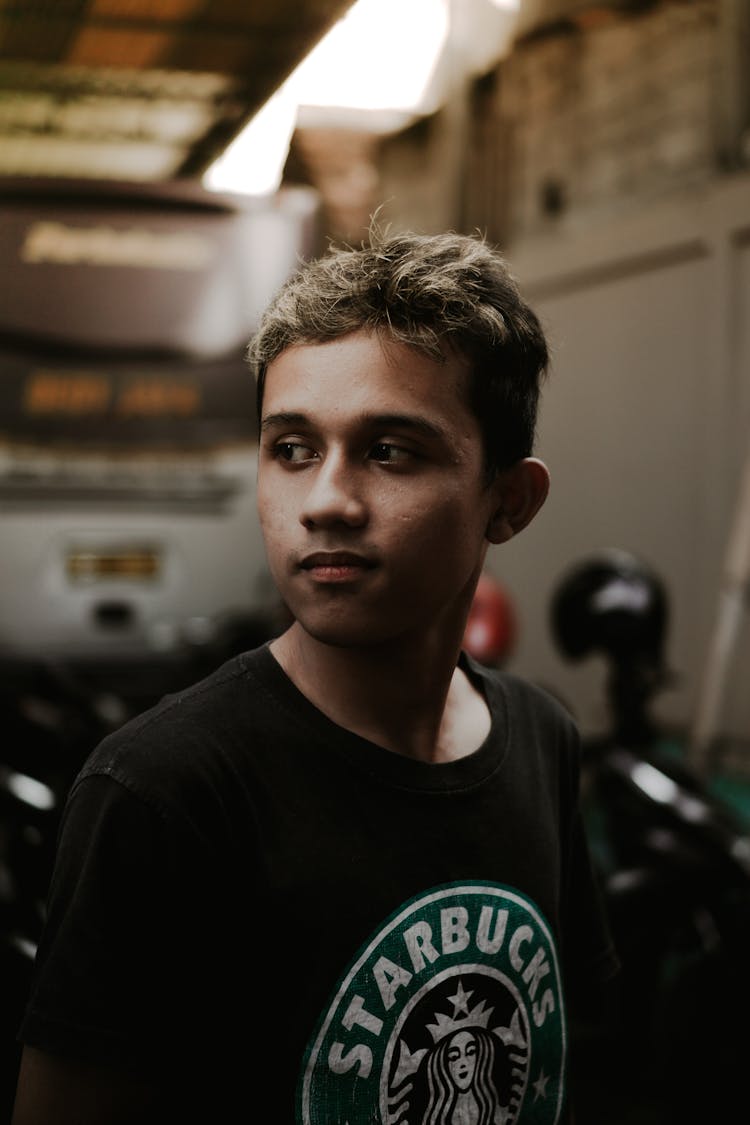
(439, 294)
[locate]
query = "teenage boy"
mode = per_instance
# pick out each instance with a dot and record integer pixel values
(343, 879)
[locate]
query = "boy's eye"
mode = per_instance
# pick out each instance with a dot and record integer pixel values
(389, 453)
(293, 451)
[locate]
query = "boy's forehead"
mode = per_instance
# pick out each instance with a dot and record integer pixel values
(359, 361)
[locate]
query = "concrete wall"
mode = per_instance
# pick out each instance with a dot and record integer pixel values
(645, 424)
(606, 115)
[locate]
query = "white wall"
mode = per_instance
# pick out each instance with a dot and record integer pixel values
(644, 424)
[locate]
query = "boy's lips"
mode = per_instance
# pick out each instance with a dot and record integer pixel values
(336, 564)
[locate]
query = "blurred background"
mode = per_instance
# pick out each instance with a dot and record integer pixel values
(165, 164)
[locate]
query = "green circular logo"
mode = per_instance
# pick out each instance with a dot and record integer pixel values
(452, 1012)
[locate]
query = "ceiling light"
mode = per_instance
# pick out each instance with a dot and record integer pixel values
(379, 56)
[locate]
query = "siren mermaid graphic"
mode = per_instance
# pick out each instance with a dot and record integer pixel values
(472, 1074)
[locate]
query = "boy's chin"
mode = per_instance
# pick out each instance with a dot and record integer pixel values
(346, 634)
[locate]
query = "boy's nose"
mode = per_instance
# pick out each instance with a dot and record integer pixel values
(334, 496)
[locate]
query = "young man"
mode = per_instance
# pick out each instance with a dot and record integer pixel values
(343, 880)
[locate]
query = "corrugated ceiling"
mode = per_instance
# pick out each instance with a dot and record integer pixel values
(141, 89)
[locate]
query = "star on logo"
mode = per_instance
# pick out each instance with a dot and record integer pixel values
(460, 1000)
(478, 1016)
(540, 1086)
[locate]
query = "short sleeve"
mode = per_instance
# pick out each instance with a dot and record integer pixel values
(108, 982)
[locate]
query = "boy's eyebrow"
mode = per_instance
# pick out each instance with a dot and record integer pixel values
(376, 421)
(408, 422)
(283, 418)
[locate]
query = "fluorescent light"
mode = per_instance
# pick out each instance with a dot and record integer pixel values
(254, 162)
(379, 56)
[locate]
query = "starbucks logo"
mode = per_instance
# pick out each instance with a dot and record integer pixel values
(451, 1015)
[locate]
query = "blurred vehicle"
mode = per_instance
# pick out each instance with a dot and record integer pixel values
(127, 416)
(674, 862)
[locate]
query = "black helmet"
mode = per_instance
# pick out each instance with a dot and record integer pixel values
(613, 603)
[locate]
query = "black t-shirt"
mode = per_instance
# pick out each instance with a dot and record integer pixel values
(284, 922)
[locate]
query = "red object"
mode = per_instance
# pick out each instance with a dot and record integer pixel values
(490, 633)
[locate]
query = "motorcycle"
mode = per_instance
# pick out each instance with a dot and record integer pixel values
(672, 855)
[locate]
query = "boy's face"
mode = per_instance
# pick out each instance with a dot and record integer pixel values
(370, 489)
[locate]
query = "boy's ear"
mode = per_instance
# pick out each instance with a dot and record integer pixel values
(519, 492)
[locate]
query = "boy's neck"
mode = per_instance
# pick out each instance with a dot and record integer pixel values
(413, 702)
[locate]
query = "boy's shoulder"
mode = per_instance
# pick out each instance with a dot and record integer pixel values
(186, 734)
(529, 691)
